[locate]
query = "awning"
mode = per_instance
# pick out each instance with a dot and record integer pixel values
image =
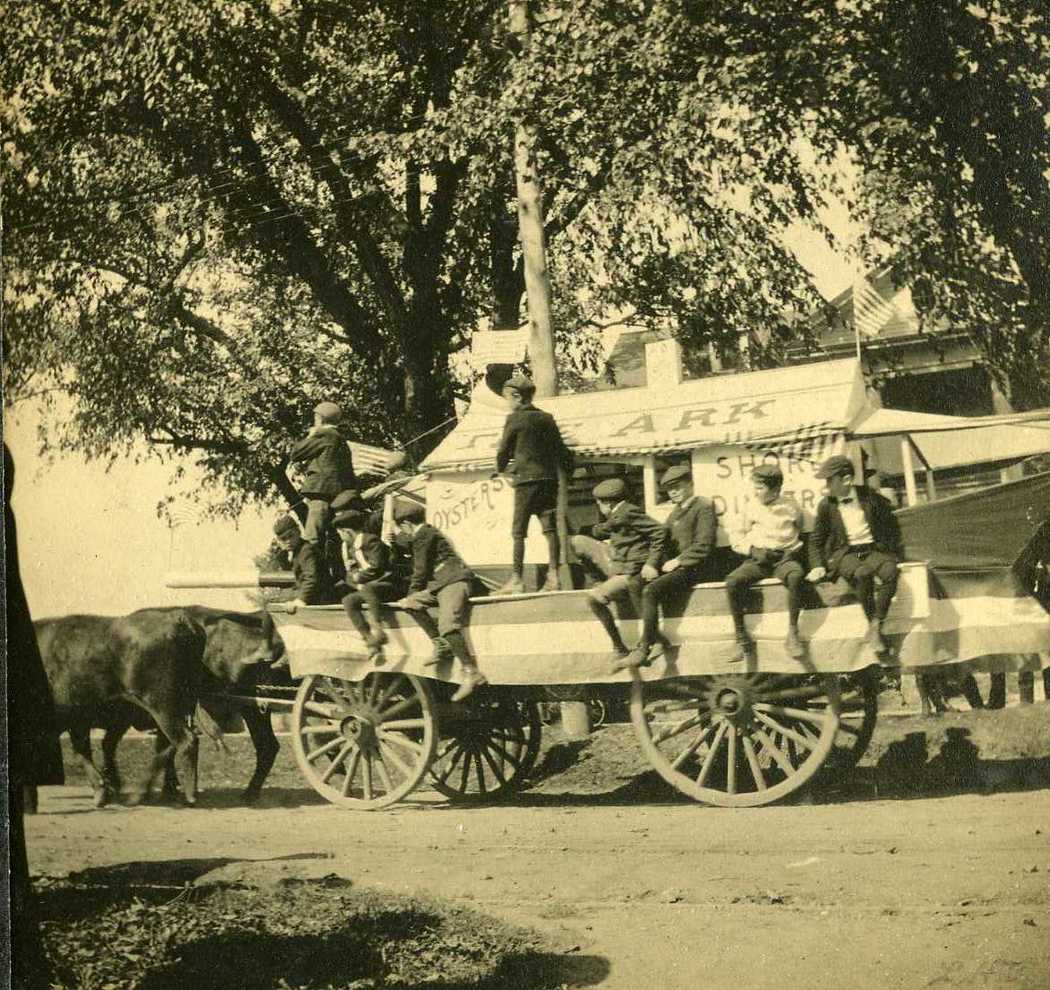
(778, 406)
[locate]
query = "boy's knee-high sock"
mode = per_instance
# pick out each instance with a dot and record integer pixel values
(459, 648)
(519, 555)
(604, 615)
(794, 589)
(553, 549)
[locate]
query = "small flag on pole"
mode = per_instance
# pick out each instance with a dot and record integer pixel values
(376, 461)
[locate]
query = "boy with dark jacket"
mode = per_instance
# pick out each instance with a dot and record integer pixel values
(856, 536)
(531, 439)
(631, 557)
(691, 528)
(329, 468)
(369, 575)
(312, 580)
(441, 579)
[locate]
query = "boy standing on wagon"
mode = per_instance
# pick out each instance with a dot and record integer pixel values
(531, 439)
(691, 529)
(329, 468)
(441, 579)
(856, 536)
(635, 548)
(769, 534)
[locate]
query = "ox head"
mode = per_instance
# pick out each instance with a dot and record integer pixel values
(237, 642)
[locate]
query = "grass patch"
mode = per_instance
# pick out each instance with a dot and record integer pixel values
(159, 937)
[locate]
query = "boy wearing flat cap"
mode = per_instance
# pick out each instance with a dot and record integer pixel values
(690, 539)
(631, 557)
(312, 580)
(532, 440)
(329, 468)
(370, 577)
(856, 536)
(439, 579)
(769, 534)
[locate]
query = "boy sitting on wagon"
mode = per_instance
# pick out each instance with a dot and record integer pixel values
(313, 584)
(632, 557)
(691, 529)
(769, 534)
(369, 575)
(856, 536)
(439, 579)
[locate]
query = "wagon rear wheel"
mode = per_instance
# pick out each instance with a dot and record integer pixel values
(736, 740)
(364, 744)
(487, 749)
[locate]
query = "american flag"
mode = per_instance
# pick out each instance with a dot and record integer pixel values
(375, 460)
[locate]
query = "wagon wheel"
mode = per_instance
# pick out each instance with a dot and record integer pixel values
(858, 713)
(736, 740)
(487, 751)
(364, 744)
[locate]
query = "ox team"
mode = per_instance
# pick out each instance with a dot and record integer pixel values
(628, 553)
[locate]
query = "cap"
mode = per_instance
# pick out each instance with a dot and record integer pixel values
(768, 474)
(350, 519)
(839, 464)
(349, 498)
(329, 412)
(285, 526)
(680, 472)
(520, 383)
(610, 490)
(406, 511)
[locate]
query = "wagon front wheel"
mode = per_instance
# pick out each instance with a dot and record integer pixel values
(736, 740)
(364, 744)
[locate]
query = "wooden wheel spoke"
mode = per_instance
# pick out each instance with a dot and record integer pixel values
(816, 716)
(465, 775)
(497, 770)
(804, 693)
(393, 685)
(808, 742)
(317, 729)
(390, 753)
(479, 772)
(404, 705)
(752, 762)
(689, 750)
(384, 777)
(459, 754)
(322, 710)
(366, 775)
(346, 694)
(731, 761)
(337, 762)
(782, 759)
(351, 772)
(325, 748)
(850, 728)
(400, 724)
(511, 758)
(692, 691)
(709, 760)
(684, 726)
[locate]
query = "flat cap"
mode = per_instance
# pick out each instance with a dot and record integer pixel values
(330, 412)
(768, 474)
(839, 464)
(285, 526)
(349, 498)
(408, 511)
(680, 472)
(520, 383)
(610, 490)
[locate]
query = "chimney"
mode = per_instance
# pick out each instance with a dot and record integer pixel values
(663, 364)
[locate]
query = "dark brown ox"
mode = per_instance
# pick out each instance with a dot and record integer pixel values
(156, 664)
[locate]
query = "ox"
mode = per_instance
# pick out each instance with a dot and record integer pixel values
(152, 667)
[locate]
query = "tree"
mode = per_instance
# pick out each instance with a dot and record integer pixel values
(219, 213)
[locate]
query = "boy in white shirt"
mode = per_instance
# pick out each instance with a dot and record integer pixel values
(769, 533)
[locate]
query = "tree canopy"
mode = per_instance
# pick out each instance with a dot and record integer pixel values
(219, 213)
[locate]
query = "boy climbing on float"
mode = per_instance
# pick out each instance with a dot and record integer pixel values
(691, 529)
(769, 534)
(532, 440)
(439, 579)
(856, 536)
(630, 558)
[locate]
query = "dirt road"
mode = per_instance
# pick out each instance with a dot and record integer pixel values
(945, 891)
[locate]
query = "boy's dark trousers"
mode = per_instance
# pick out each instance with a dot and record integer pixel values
(764, 563)
(535, 498)
(318, 514)
(677, 582)
(860, 566)
(369, 595)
